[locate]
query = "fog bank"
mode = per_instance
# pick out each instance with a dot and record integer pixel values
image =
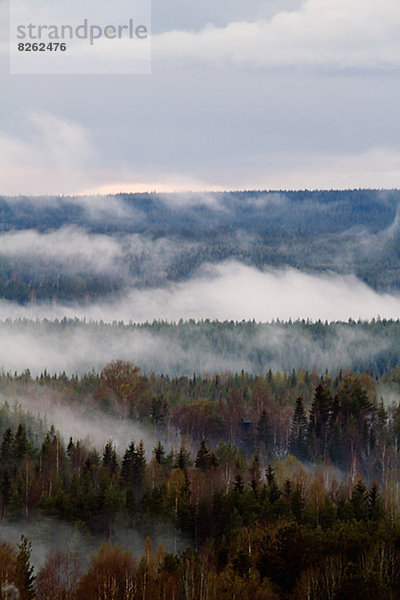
(234, 291)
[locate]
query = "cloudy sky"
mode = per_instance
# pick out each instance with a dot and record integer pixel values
(269, 94)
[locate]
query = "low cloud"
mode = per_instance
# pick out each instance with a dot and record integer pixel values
(134, 258)
(233, 291)
(227, 291)
(68, 246)
(83, 422)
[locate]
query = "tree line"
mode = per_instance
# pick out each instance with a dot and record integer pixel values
(282, 486)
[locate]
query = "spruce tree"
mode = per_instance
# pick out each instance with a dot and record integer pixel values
(298, 432)
(359, 501)
(128, 465)
(5, 486)
(183, 459)
(263, 432)
(320, 423)
(273, 490)
(24, 577)
(6, 451)
(110, 460)
(376, 509)
(238, 484)
(203, 457)
(159, 453)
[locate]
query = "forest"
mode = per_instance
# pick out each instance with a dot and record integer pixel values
(239, 447)
(148, 240)
(273, 486)
(201, 346)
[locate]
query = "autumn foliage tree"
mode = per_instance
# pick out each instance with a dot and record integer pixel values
(124, 390)
(111, 575)
(59, 576)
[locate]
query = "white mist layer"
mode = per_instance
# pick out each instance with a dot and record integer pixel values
(232, 291)
(83, 422)
(228, 291)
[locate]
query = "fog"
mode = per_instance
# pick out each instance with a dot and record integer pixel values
(78, 347)
(72, 539)
(70, 250)
(234, 291)
(82, 421)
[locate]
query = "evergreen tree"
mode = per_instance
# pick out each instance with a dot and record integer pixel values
(6, 451)
(70, 448)
(159, 453)
(376, 509)
(183, 459)
(140, 464)
(5, 486)
(110, 460)
(320, 423)
(24, 577)
(263, 432)
(21, 445)
(203, 457)
(298, 432)
(134, 466)
(128, 465)
(238, 484)
(297, 503)
(255, 474)
(213, 460)
(359, 501)
(273, 490)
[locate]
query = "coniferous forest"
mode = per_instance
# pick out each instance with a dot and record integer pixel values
(280, 485)
(199, 300)
(200, 396)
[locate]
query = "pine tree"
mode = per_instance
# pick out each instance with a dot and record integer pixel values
(320, 423)
(140, 464)
(110, 460)
(255, 474)
(203, 457)
(6, 451)
(21, 445)
(5, 486)
(376, 509)
(273, 490)
(70, 448)
(24, 577)
(134, 466)
(359, 501)
(159, 453)
(238, 484)
(298, 432)
(183, 459)
(297, 503)
(263, 432)
(128, 465)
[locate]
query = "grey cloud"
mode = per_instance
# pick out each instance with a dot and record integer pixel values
(183, 15)
(313, 34)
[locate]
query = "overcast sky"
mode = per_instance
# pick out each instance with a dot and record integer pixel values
(262, 94)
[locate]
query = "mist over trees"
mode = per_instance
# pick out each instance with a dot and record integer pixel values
(198, 459)
(155, 239)
(276, 485)
(76, 346)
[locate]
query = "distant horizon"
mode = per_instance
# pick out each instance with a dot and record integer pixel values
(199, 191)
